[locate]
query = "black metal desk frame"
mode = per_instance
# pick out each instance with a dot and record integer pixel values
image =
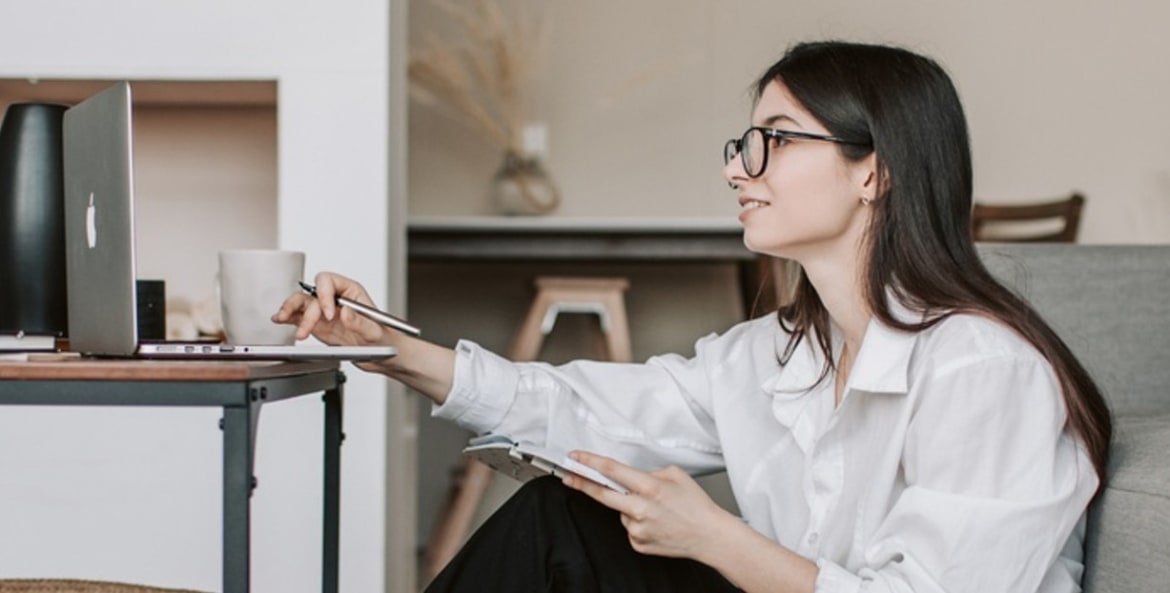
(241, 401)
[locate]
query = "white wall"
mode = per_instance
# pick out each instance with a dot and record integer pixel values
(640, 97)
(63, 509)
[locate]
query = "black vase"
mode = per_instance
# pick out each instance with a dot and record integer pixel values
(32, 221)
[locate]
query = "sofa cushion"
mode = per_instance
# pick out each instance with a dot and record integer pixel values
(1109, 303)
(1129, 524)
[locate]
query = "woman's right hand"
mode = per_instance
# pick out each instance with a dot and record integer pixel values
(425, 367)
(324, 319)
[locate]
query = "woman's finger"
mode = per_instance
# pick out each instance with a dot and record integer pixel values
(290, 308)
(622, 503)
(310, 315)
(632, 478)
(326, 294)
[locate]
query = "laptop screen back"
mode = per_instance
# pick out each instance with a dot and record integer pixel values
(99, 224)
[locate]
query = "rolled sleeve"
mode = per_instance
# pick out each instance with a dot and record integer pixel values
(482, 390)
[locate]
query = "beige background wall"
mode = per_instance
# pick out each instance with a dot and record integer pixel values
(212, 171)
(639, 97)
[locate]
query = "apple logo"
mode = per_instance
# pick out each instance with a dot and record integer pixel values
(91, 223)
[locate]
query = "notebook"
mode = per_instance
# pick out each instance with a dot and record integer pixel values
(524, 461)
(100, 252)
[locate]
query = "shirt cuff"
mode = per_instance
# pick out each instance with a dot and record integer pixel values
(482, 389)
(831, 578)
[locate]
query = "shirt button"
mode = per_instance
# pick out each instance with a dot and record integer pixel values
(812, 538)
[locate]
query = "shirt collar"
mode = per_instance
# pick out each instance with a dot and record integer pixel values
(801, 371)
(792, 385)
(881, 366)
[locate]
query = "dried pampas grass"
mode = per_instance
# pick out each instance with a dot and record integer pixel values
(483, 77)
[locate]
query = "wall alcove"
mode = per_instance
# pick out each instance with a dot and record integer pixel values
(205, 169)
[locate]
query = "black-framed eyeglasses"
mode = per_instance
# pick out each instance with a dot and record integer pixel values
(752, 148)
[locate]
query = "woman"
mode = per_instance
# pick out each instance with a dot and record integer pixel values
(905, 424)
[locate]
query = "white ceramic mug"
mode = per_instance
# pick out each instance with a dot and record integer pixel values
(252, 285)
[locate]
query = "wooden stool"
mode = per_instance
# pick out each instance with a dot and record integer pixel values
(604, 297)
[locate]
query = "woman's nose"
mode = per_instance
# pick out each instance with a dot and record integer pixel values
(733, 172)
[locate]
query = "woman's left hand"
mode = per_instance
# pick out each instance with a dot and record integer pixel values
(666, 512)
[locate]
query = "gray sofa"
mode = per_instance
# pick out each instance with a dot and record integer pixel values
(1111, 304)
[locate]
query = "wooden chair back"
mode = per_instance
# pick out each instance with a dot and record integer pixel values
(988, 220)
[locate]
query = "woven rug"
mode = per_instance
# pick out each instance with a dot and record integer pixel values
(78, 586)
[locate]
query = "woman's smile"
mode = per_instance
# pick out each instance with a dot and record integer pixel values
(747, 205)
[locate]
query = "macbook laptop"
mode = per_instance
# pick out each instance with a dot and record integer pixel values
(100, 251)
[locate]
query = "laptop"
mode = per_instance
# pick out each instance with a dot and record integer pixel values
(100, 252)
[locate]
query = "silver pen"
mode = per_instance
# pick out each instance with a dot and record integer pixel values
(379, 316)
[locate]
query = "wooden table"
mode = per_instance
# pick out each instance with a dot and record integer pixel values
(240, 388)
(528, 238)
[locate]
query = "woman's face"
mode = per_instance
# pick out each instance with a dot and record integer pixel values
(808, 201)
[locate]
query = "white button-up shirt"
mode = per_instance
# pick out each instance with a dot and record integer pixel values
(947, 465)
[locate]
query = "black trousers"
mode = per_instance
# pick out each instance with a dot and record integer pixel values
(551, 538)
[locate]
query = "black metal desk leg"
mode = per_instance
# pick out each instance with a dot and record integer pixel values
(332, 497)
(237, 490)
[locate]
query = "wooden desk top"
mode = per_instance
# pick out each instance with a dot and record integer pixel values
(57, 367)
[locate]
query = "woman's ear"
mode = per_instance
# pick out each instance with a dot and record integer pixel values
(872, 181)
(867, 178)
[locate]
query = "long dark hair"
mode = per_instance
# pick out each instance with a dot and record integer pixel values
(903, 108)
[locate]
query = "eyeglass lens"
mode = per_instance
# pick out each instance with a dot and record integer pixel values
(752, 150)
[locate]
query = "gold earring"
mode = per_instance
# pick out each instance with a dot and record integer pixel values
(866, 200)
